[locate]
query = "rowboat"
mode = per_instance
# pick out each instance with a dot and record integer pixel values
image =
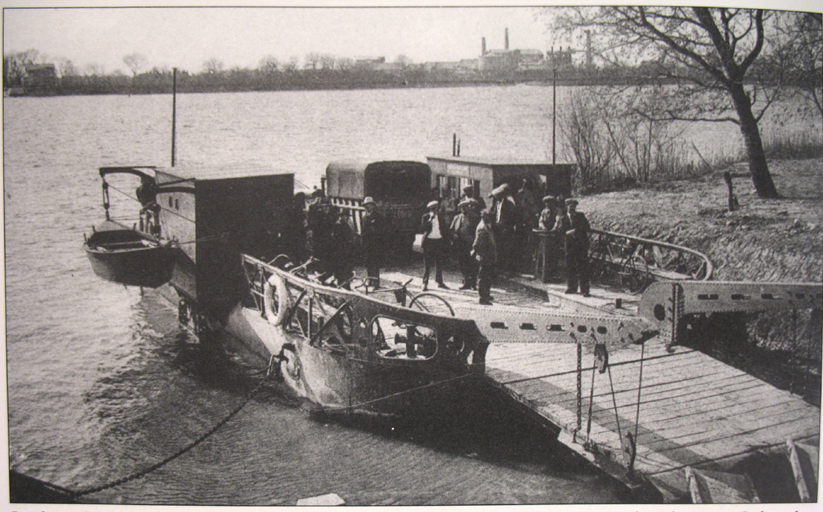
(128, 256)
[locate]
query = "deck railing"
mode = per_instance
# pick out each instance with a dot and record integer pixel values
(635, 262)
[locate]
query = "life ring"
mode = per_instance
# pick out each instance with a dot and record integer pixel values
(276, 306)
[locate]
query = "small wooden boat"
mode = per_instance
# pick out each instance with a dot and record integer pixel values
(128, 256)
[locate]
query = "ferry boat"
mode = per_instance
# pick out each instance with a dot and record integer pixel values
(371, 350)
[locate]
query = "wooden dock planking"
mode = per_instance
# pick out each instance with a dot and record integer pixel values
(695, 411)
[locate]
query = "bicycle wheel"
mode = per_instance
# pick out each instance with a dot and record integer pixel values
(431, 303)
(635, 275)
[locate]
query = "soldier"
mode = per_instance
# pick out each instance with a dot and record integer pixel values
(463, 230)
(484, 250)
(373, 232)
(575, 228)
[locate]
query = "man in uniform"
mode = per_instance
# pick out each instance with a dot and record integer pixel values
(373, 232)
(575, 228)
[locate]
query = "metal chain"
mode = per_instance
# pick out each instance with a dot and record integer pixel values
(153, 467)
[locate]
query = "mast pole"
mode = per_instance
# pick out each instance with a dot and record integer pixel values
(554, 106)
(173, 114)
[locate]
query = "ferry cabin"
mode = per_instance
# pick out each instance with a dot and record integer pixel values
(216, 214)
(484, 174)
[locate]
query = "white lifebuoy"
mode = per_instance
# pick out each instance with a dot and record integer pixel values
(276, 313)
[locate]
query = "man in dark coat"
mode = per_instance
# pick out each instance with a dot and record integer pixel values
(373, 231)
(435, 243)
(463, 230)
(341, 250)
(147, 195)
(505, 220)
(484, 250)
(468, 193)
(575, 228)
(320, 221)
(549, 246)
(294, 230)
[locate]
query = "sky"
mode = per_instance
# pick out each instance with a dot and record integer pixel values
(240, 37)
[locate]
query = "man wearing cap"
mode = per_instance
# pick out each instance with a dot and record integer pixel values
(468, 193)
(463, 230)
(575, 228)
(484, 250)
(435, 239)
(320, 221)
(547, 253)
(505, 220)
(373, 232)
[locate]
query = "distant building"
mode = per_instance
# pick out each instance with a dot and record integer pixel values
(40, 79)
(369, 62)
(508, 60)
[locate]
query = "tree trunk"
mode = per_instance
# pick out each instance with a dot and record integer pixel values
(758, 166)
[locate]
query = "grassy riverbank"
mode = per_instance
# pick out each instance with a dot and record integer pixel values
(764, 240)
(778, 240)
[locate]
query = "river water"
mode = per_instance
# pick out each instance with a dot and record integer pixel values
(101, 380)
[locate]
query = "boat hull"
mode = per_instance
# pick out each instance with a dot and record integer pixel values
(336, 380)
(129, 257)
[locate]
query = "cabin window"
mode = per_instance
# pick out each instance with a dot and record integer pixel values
(400, 339)
(176, 204)
(170, 202)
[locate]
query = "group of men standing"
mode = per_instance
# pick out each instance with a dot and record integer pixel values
(487, 241)
(482, 240)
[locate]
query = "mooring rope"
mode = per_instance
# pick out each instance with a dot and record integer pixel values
(72, 494)
(395, 395)
(158, 204)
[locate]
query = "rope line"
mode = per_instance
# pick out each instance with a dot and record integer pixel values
(158, 204)
(158, 465)
(395, 395)
(567, 372)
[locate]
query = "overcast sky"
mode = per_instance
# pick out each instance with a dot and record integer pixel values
(187, 37)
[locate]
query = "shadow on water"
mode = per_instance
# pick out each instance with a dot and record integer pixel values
(472, 420)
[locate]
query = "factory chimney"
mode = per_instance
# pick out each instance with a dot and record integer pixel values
(482, 46)
(507, 38)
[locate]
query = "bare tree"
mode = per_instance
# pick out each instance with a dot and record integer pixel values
(327, 61)
(269, 64)
(95, 70)
(213, 66)
(14, 65)
(291, 65)
(345, 63)
(135, 62)
(798, 53)
(312, 60)
(707, 52)
(404, 61)
(65, 67)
